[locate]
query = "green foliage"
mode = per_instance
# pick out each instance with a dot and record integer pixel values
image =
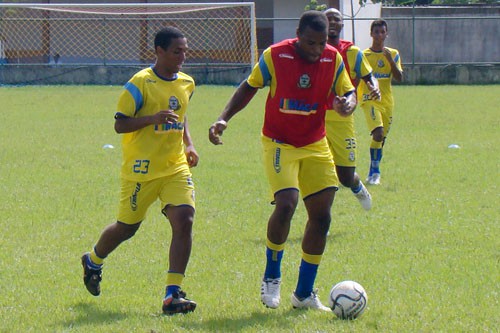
(428, 2)
(427, 253)
(313, 5)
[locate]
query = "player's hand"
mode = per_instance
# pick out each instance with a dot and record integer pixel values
(165, 117)
(192, 156)
(343, 105)
(374, 91)
(216, 130)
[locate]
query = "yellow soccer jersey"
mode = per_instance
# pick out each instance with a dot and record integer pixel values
(357, 67)
(382, 72)
(156, 150)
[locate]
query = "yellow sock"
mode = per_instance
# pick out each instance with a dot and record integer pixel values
(95, 258)
(376, 145)
(174, 279)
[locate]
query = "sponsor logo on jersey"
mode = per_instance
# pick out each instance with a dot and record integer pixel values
(295, 106)
(163, 128)
(326, 60)
(148, 80)
(286, 55)
(382, 75)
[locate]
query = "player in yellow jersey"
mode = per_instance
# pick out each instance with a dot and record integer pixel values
(340, 131)
(157, 153)
(386, 65)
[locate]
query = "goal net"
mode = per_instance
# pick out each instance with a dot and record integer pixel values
(122, 34)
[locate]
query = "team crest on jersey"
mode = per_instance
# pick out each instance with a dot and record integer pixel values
(304, 81)
(380, 63)
(173, 103)
(352, 156)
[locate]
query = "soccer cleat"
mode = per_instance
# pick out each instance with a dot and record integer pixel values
(364, 197)
(91, 277)
(270, 292)
(177, 303)
(311, 302)
(374, 179)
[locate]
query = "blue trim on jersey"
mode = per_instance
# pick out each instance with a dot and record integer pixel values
(396, 59)
(341, 68)
(266, 76)
(136, 95)
(357, 65)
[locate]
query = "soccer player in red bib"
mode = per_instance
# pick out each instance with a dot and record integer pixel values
(301, 73)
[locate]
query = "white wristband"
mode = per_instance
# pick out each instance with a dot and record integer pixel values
(222, 122)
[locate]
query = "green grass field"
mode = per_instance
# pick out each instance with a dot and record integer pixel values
(428, 253)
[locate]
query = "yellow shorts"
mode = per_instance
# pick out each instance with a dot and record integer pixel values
(341, 138)
(377, 115)
(136, 198)
(309, 169)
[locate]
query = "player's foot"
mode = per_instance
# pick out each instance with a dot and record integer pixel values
(364, 197)
(270, 292)
(177, 303)
(92, 275)
(374, 179)
(311, 302)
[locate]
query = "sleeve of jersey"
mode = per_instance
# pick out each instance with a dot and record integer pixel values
(262, 71)
(397, 60)
(342, 84)
(364, 65)
(357, 63)
(130, 100)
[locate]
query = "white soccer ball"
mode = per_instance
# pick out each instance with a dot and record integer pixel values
(348, 300)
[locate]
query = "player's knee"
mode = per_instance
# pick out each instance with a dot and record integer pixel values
(346, 181)
(378, 134)
(128, 231)
(323, 223)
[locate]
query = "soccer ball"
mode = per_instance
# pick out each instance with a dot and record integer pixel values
(348, 300)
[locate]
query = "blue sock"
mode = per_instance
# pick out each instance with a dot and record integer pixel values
(357, 189)
(376, 157)
(171, 290)
(307, 276)
(273, 265)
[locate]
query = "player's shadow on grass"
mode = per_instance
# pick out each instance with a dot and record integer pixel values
(89, 314)
(273, 320)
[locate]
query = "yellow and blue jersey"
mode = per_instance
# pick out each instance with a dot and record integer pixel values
(156, 150)
(382, 72)
(357, 67)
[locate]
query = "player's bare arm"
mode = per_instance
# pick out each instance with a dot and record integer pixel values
(372, 84)
(396, 73)
(130, 124)
(191, 153)
(346, 104)
(241, 97)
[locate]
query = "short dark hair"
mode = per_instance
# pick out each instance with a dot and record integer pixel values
(164, 37)
(378, 23)
(314, 19)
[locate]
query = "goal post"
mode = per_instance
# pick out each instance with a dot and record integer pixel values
(221, 34)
